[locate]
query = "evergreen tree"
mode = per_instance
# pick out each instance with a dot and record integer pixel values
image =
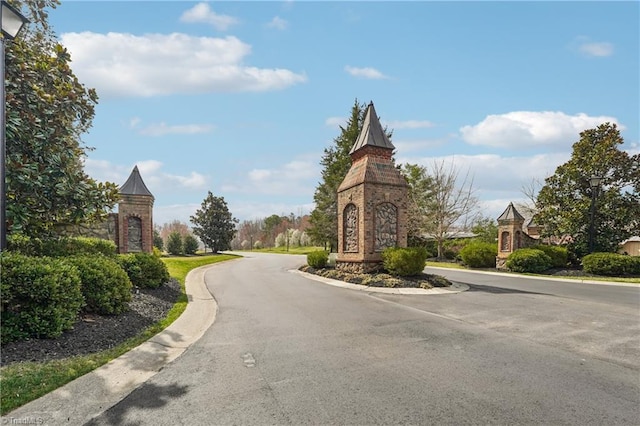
(158, 242)
(564, 202)
(47, 111)
(174, 244)
(190, 244)
(336, 163)
(214, 224)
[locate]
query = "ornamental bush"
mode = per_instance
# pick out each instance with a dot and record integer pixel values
(528, 260)
(61, 247)
(404, 261)
(190, 244)
(105, 285)
(611, 264)
(174, 244)
(478, 254)
(144, 269)
(41, 296)
(559, 255)
(318, 259)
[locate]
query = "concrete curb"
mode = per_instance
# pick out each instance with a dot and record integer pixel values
(455, 287)
(88, 396)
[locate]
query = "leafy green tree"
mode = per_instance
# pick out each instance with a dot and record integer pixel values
(214, 224)
(564, 202)
(271, 224)
(48, 110)
(174, 244)
(158, 242)
(336, 163)
(190, 244)
(486, 229)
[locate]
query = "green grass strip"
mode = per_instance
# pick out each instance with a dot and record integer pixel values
(26, 381)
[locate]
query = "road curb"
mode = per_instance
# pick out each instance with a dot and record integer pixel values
(90, 395)
(455, 287)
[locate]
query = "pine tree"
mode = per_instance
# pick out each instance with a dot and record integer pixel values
(214, 224)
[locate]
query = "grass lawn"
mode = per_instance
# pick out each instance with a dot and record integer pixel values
(24, 382)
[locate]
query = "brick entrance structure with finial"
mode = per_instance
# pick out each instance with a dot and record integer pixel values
(135, 216)
(372, 201)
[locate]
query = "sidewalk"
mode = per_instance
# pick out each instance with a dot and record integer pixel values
(90, 395)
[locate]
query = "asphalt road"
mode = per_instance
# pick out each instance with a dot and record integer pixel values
(285, 349)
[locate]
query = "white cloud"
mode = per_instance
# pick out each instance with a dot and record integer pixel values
(202, 13)
(602, 49)
(408, 124)
(297, 177)
(126, 65)
(369, 73)
(278, 23)
(525, 129)
(335, 121)
(162, 129)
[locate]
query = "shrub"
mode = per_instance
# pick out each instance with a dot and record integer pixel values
(105, 285)
(174, 243)
(611, 264)
(257, 245)
(61, 247)
(478, 254)
(190, 244)
(528, 260)
(404, 261)
(144, 269)
(41, 297)
(318, 258)
(559, 255)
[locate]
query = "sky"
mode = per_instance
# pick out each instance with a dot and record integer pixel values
(241, 98)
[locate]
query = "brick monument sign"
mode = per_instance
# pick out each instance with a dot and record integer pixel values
(372, 201)
(135, 216)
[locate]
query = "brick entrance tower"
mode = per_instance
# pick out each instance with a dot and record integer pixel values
(510, 235)
(135, 216)
(372, 201)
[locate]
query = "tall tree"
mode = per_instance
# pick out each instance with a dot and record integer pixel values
(336, 163)
(564, 202)
(453, 200)
(420, 201)
(48, 110)
(214, 224)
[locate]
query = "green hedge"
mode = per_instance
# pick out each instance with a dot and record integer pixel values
(528, 260)
(611, 264)
(318, 259)
(478, 254)
(105, 285)
(60, 247)
(41, 296)
(403, 261)
(559, 255)
(144, 269)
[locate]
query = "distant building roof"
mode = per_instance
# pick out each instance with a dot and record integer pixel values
(511, 214)
(372, 133)
(135, 185)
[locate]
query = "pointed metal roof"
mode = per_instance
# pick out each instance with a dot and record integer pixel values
(511, 214)
(135, 185)
(372, 133)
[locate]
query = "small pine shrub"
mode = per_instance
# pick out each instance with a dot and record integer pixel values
(559, 255)
(105, 285)
(611, 264)
(144, 269)
(318, 259)
(403, 261)
(41, 297)
(190, 244)
(478, 254)
(174, 244)
(528, 260)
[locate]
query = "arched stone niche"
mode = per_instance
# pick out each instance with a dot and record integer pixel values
(134, 234)
(350, 220)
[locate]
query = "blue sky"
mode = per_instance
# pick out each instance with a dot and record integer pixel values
(241, 98)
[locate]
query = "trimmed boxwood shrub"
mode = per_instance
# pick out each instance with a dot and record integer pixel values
(528, 260)
(611, 264)
(144, 269)
(61, 247)
(318, 259)
(478, 254)
(41, 297)
(403, 261)
(559, 255)
(105, 285)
